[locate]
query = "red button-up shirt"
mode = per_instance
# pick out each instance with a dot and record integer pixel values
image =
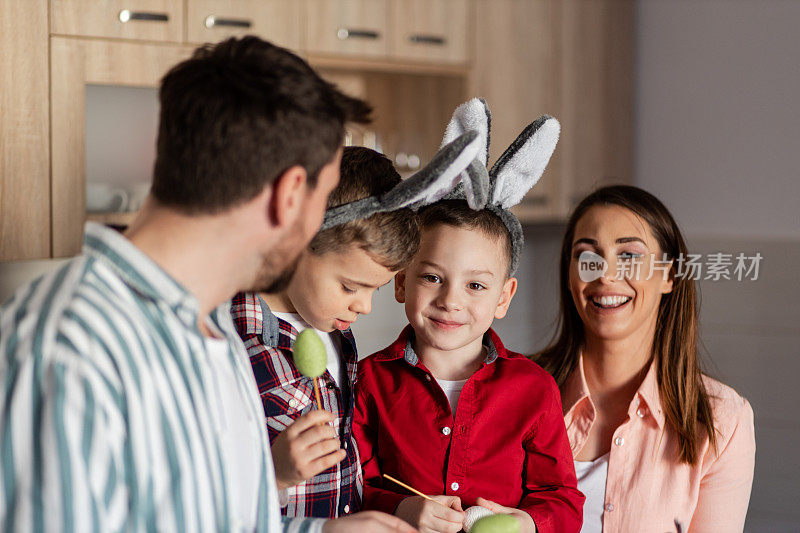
(506, 443)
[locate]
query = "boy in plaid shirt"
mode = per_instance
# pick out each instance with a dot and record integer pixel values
(316, 460)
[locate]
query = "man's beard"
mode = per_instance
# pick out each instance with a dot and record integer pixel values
(270, 282)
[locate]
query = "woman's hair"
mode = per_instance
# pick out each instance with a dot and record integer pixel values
(686, 403)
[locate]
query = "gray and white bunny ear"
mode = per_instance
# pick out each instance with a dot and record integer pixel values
(430, 184)
(471, 115)
(438, 177)
(522, 164)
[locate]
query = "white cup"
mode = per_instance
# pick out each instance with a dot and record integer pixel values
(138, 194)
(102, 197)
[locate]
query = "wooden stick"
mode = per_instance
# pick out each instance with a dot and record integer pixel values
(412, 489)
(316, 393)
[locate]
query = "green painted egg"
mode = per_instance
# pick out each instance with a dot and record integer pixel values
(497, 523)
(309, 354)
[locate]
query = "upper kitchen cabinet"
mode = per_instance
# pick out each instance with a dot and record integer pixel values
(430, 30)
(347, 27)
(74, 65)
(572, 59)
(64, 61)
(148, 20)
(516, 71)
(278, 21)
(597, 90)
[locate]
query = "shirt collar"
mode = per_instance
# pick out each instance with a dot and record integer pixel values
(253, 317)
(649, 394)
(402, 348)
(576, 394)
(138, 270)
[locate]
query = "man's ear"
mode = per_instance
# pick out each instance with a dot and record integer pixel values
(287, 201)
(400, 287)
(508, 292)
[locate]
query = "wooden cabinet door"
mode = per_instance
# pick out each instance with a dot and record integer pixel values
(429, 30)
(277, 21)
(75, 63)
(150, 20)
(597, 79)
(24, 132)
(347, 27)
(516, 71)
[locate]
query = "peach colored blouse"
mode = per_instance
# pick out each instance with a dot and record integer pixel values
(647, 489)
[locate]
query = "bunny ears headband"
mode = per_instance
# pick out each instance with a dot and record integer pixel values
(430, 184)
(459, 171)
(513, 174)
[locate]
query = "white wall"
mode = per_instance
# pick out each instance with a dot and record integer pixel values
(718, 140)
(717, 113)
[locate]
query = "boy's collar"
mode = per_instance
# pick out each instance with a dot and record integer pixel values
(402, 349)
(269, 325)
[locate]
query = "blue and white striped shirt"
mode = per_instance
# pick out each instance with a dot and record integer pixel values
(106, 412)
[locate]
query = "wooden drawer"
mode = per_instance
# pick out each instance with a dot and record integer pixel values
(150, 20)
(277, 21)
(429, 30)
(347, 27)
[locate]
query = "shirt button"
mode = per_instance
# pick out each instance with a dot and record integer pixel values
(619, 441)
(293, 403)
(609, 507)
(346, 509)
(445, 430)
(454, 485)
(640, 412)
(428, 377)
(345, 445)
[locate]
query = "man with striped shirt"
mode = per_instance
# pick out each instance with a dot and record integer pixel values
(128, 402)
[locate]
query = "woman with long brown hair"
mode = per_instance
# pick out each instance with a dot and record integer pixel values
(658, 445)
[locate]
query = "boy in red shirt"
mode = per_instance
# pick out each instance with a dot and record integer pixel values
(446, 408)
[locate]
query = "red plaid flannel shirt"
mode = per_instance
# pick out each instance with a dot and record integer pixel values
(286, 395)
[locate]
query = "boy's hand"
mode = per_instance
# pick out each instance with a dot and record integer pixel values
(430, 517)
(368, 522)
(526, 522)
(306, 448)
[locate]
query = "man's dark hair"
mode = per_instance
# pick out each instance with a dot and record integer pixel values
(238, 114)
(390, 238)
(458, 213)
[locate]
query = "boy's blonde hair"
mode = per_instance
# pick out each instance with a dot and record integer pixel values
(391, 238)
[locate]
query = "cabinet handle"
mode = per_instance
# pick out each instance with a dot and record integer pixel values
(350, 33)
(427, 39)
(127, 15)
(212, 21)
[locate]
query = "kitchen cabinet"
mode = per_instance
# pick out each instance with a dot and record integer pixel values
(24, 131)
(74, 64)
(430, 30)
(571, 59)
(148, 20)
(347, 27)
(597, 97)
(278, 21)
(414, 60)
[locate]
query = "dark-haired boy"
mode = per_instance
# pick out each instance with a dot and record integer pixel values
(446, 408)
(318, 464)
(127, 401)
